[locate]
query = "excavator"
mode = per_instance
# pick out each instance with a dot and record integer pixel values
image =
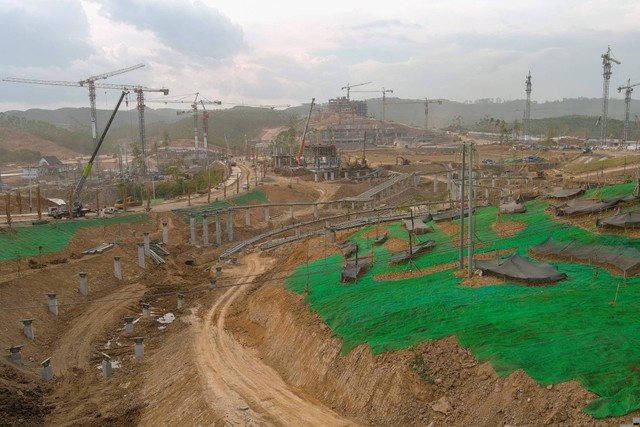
(299, 158)
(402, 161)
(77, 210)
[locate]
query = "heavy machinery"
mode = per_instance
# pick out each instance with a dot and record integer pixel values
(402, 161)
(299, 159)
(77, 210)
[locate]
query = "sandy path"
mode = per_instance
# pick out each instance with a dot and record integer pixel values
(240, 387)
(75, 346)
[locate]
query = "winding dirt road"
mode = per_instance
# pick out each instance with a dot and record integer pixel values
(241, 389)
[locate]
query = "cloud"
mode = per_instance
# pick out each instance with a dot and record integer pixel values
(191, 29)
(51, 36)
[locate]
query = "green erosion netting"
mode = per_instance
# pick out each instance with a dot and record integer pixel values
(611, 192)
(52, 237)
(569, 330)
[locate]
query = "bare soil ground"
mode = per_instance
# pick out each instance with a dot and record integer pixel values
(13, 139)
(239, 354)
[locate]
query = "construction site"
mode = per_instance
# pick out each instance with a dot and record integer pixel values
(373, 274)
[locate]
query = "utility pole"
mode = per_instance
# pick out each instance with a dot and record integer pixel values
(462, 168)
(470, 215)
(527, 108)
(607, 59)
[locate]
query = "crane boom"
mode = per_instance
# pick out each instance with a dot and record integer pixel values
(348, 87)
(111, 73)
(304, 134)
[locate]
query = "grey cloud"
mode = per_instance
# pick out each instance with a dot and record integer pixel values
(190, 29)
(52, 34)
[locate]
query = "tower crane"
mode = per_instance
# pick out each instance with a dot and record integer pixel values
(384, 97)
(628, 89)
(137, 89)
(89, 82)
(607, 59)
(426, 103)
(348, 87)
(194, 111)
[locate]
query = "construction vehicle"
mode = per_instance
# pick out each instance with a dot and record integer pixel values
(402, 161)
(76, 209)
(126, 203)
(299, 159)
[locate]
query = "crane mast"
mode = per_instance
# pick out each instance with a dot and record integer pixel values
(384, 99)
(628, 90)
(607, 59)
(527, 108)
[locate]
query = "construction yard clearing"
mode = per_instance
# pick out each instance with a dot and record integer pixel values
(241, 316)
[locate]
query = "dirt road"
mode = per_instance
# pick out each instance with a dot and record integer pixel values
(240, 387)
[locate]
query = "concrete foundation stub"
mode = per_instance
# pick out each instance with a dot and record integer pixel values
(146, 242)
(213, 283)
(165, 233)
(128, 324)
(16, 356)
(141, 255)
(146, 310)
(107, 369)
(192, 228)
(332, 235)
(53, 303)
(27, 328)
(180, 301)
(47, 370)
(117, 267)
(139, 347)
(218, 270)
(84, 283)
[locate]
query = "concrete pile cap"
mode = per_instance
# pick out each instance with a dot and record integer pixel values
(46, 362)
(106, 357)
(15, 348)
(27, 322)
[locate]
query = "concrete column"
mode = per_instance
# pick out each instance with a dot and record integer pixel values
(493, 182)
(84, 283)
(332, 235)
(297, 231)
(267, 218)
(247, 217)
(333, 176)
(315, 212)
(230, 225)
(107, 369)
(205, 230)
(448, 181)
(117, 267)
(486, 194)
(346, 174)
(353, 206)
(53, 303)
(139, 347)
(147, 242)
(146, 310)
(27, 328)
(128, 324)
(291, 211)
(315, 177)
(16, 356)
(141, 255)
(218, 231)
(47, 370)
(192, 228)
(180, 301)
(165, 233)
(435, 183)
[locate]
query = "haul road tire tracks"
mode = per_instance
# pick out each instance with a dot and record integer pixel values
(241, 388)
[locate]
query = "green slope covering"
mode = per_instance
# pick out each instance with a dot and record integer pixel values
(54, 237)
(569, 330)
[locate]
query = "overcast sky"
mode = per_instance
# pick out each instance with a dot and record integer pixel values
(279, 52)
